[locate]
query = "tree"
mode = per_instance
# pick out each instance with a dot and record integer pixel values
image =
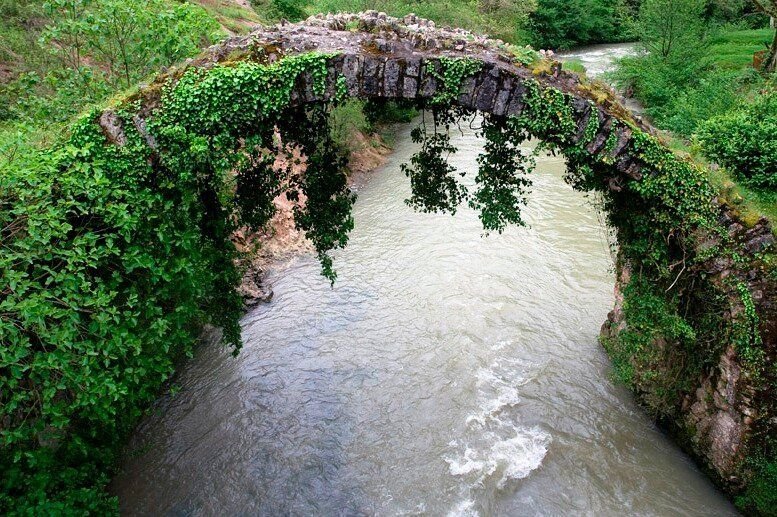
(126, 39)
(116, 34)
(67, 30)
(506, 19)
(667, 27)
(769, 8)
(560, 24)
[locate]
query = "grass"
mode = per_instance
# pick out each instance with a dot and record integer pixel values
(734, 49)
(573, 65)
(232, 16)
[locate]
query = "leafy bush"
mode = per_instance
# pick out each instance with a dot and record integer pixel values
(745, 141)
(383, 111)
(104, 280)
(653, 371)
(686, 88)
(760, 497)
(292, 10)
(129, 39)
(657, 82)
(89, 48)
(715, 93)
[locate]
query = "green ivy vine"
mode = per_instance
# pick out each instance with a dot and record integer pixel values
(450, 75)
(502, 180)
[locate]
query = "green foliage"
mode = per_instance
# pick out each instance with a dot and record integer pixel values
(292, 10)
(745, 141)
(106, 273)
(65, 55)
(668, 76)
(563, 24)
(55, 97)
(504, 19)
(450, 75)
(760, 497)
(501, 180)
(547, 114)
(507, 19)
(668, 27)
(258, 184)
(18, 36)
(129, 39)
(714, 93)
(685, 88)
(347, 119)
(325, 217)
(696, 81)
(747, 336)
(657, 82)
(114, 256)
(434, 186)
(382, 111)
(649, 355)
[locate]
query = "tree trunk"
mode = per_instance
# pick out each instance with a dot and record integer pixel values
(770, 64)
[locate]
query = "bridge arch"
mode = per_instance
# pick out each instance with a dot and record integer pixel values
(249, 84)
(687, 308)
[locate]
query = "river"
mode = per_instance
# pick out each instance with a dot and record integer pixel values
(445, 373)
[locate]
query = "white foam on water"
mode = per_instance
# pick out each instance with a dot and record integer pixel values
(496, 449)
(507, 458)
(465, 508)
(498, 388)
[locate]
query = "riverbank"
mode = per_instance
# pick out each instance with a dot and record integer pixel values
(720, 412)
(714, 106)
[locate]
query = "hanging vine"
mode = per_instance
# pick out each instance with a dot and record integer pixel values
(432, 179)
(502, 182)
(258, 182)
(322, 198)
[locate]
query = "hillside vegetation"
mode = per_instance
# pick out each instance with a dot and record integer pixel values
(541, 23)
(698, 80)
(706, 80)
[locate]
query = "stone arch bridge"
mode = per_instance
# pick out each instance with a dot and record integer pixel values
(663, 207)
(381, 57)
